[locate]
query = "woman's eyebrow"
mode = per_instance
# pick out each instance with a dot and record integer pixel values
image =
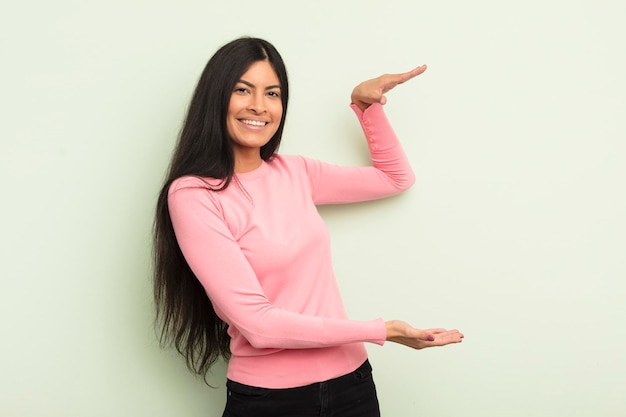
(249, 84)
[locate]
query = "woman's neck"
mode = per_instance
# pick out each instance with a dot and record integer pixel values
(247, 163)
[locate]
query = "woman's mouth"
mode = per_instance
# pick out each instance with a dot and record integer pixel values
(253, 122)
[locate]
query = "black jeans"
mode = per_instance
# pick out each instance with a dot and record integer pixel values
(351, 395)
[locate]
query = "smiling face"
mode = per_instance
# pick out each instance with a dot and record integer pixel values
(254, 114)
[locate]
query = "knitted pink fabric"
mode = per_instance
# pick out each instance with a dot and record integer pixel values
(262, 253)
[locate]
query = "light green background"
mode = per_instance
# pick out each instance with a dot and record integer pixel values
(514, 233)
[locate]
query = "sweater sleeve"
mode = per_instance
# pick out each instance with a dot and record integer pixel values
(232, 286)
(389, 174)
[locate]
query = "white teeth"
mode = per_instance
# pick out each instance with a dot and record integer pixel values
(253, 122)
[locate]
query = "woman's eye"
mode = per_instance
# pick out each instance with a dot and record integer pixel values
(241, 90)
(273, 94)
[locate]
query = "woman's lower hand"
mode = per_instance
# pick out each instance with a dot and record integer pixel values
(404, 334)
(374, 90)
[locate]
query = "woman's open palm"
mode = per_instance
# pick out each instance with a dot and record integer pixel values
(374, 90)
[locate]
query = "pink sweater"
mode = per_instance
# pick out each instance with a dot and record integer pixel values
(262, 253)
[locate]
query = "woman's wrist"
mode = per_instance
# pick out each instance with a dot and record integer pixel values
(360, 104)
(391, 330)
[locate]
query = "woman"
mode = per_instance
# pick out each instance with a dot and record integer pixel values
(242, 257)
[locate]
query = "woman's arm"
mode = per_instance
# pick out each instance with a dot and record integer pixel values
(234, 289)
(390, 172)
(219, 264)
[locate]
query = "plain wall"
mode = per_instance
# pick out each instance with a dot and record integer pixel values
(514, 232)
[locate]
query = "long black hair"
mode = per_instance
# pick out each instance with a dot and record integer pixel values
(185, 317)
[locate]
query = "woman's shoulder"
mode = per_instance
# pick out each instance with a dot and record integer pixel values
(291, 162)
(194, 181)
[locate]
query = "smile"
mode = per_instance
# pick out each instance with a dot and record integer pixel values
(253, 122)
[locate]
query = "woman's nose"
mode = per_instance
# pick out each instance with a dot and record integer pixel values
(256, 103)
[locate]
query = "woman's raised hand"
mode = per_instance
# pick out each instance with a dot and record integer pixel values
(374, 90)
(401, 332)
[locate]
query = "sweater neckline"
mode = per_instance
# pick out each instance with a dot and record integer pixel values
(255, 173)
